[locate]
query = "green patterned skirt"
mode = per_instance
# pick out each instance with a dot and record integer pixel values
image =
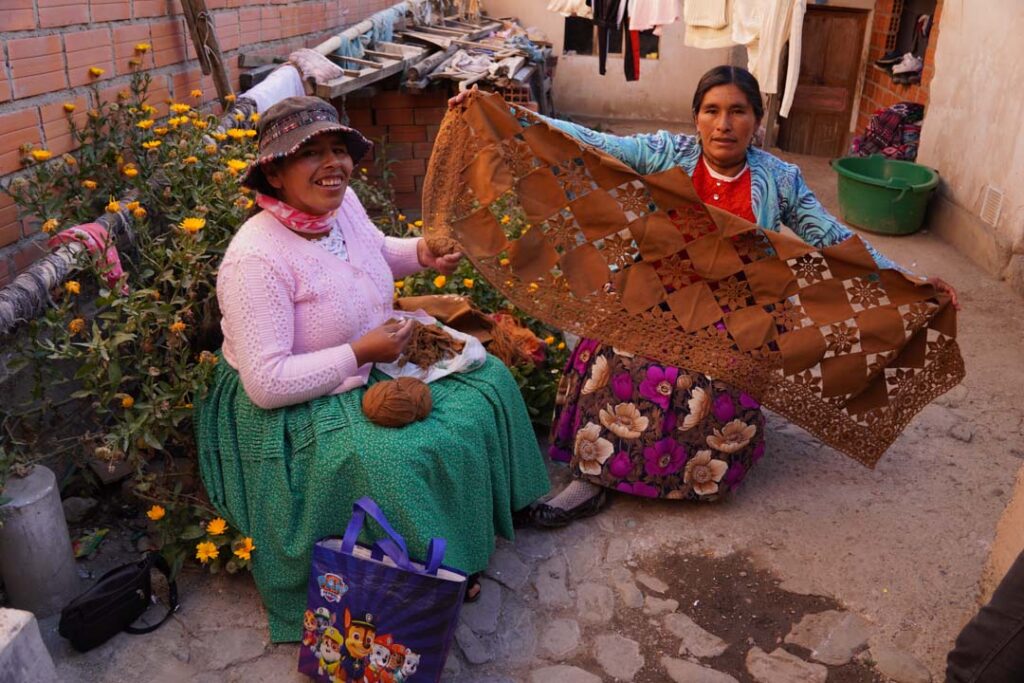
(288, 477)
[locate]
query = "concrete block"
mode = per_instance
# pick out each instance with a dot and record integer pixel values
(965, 231)
(23, 657)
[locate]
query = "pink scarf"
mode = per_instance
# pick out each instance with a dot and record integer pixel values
(299, 221)
(96, 240)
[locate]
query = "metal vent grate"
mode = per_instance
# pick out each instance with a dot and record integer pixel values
(991, 205)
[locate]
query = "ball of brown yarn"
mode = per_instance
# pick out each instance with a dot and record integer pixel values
(397, 402)
(442, 246)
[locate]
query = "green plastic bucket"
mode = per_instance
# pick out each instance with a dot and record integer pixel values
(883, 195)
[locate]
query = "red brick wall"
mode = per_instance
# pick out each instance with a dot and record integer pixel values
(879, 90)
(48, 47)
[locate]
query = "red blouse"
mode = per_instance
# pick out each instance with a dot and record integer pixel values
(729, 195)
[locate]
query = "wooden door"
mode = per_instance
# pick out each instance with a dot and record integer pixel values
(819, 120)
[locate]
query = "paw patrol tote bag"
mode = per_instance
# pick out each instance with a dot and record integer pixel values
(373, 614)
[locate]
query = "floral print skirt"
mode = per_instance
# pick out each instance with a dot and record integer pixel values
(629, 424)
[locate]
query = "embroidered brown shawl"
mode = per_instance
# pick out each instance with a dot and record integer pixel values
(847, 350)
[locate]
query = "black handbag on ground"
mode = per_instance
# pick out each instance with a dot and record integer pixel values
(116, 601)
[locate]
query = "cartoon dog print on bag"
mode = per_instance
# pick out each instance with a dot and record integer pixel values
(380, 655)
(394, 663)
(409, 666)
(309, 630)
(329, 652)
(359, 634)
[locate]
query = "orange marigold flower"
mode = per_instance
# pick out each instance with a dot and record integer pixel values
(216, 527)
(143, 48)
(193, 224)
(197, 93)
(95, 71)
(177, 327)
(89, 184)
(41, 154)
(69, 107)
(244, 549)
(72, 287)
(206, 551)
(127, 401)
(156, 513)
(50, 225)
(139, 213)
(76, 326)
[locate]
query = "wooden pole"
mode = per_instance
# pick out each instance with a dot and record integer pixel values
(204, 39)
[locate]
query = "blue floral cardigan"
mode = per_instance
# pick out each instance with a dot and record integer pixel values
(779, 195)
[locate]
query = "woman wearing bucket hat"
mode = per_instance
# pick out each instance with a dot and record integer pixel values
(305, 289)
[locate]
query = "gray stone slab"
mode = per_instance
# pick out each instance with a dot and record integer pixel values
(620, 657)
(584, 559)
(833, 637)
(550, 582)
(695, 640)
(595, 603)
(652, 583)
(517, 637)
(782, 667)
(682, 671)
(475, 649)
(482, 615)
(617, 552)
(560, 639)
(534, 544)
(23, 656)
(280, 667)
(900, 666)
(508, 569)
(655, 606)
(227, 647)
(562, 674)
(630, 595)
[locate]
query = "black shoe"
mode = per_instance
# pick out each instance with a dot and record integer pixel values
(547, 517)
(889, 58)
(522, 518)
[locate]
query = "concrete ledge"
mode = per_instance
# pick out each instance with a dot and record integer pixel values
(1008, 542)
(971, 237)
(23, 657)
(1014, 273)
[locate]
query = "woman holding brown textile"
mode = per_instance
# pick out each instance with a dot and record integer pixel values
(284, 447)
(628, 424)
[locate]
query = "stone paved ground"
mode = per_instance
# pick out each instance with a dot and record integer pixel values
(818, 570)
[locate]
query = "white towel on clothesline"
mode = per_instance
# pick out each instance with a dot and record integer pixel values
(646, 14)
(708, 13)
(281, 83)
(569, 8)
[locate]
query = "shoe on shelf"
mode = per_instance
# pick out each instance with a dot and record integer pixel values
(908, 65)
(889, 58)
(547, 517)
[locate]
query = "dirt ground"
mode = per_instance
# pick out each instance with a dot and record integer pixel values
(902, 545)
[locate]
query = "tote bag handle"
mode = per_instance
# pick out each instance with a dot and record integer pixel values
(435, 555)
(360, 509)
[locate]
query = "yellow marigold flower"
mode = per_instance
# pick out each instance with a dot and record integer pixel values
(76, 326)
(468, 282)
(549, 340)
(219, 137)
(162, 130)
(151, 144)
(139, 213)
(248, 204)
(179, 108)
(113, 206)
(177, 327)
(236, 165)
(200, 124)
(254, 117)
(216, 527)
(236, 133)
(89, 184)
(210, 148)
(193, 224)
(50, 225)
(149, 109)
(401, 217)
(440, 281)
(41, 154)
(197, 93)
(127, 401)
(156, 513)
(95, 71)
(505, 219)
(243, 189)
(69, 160)
(93, 113)
(143, 48)
(69, 107)
(250, 133)
(72, 287)
(504, 261)
(231, 97)
(533, 287)
(217, 177)
(131, 171)
(134, 62)
(399, 284)
(190, 160)
(561, 345)
(145, 124)
(131, 206)
(418, 223)
(124, 94)
(207, 357)
(239, 116)
(206, 551)
(245, 548)
(363, 170)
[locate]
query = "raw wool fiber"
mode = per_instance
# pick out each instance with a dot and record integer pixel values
(429, 344)
(823, 336)
(442, 246)
(397, 402)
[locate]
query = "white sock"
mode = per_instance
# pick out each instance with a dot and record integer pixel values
(576, 493)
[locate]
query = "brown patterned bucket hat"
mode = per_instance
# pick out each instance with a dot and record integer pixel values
(290, 123)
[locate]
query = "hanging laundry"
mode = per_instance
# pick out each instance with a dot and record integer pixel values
(630, 49)
(706, 13)
(654, 14)
(606, 18)
(571, 8)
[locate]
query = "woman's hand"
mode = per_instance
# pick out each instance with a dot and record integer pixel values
(945, 288)
(383, 344)
(460, 98)
(445, 265)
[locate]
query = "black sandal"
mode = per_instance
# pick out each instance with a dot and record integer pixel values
(473, 581)
(546, 517)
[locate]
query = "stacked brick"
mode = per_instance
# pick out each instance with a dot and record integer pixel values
(879, 89)
(50, 46)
